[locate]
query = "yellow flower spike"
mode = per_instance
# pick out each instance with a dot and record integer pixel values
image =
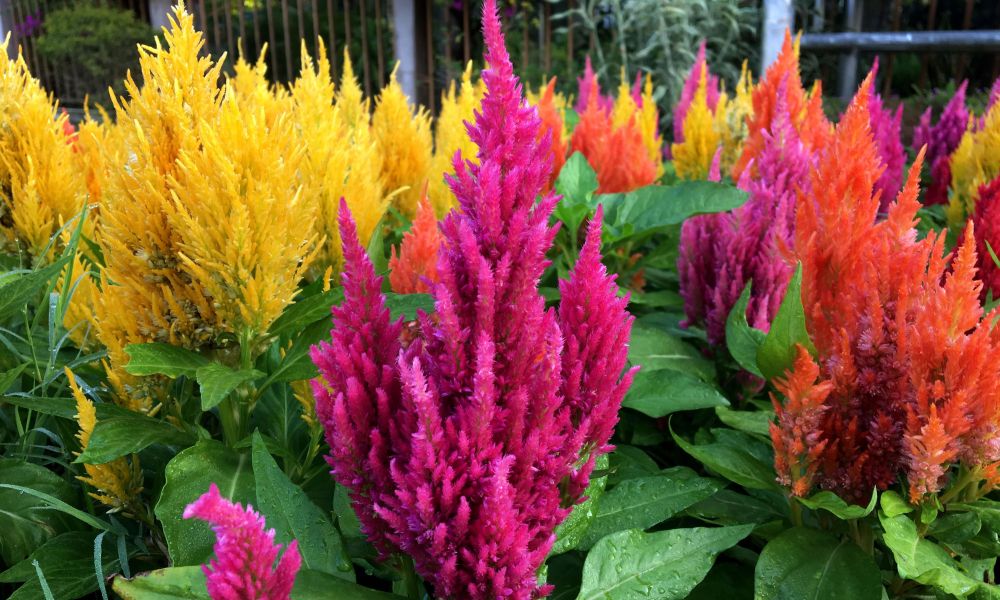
(975, 162)
(341, 158)
(118, 483)
(693, 157)
(39, 188)
(403, 135)
(354, 107)
(302, 391)
(450, 136)
(731, 118)
(649, 124)
(251, 86)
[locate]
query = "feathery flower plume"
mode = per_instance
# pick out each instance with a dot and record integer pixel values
(451, 136)
(117, 484)
(466, 447)
(589, 90)
(403, 135)
(693, 156)
(731, 115)
(986, 220)
(551, 107)
(414, 269)
(798, 446)
(974, 163)
(690, 89)
(901, 338)
(885, 128)
(245, 553)
(720, 253)
(642, 113)
(941, 140)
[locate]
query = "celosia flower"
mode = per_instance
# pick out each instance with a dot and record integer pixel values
(117, 484)
(450, 136)
(642, 114)
(39, 191)
(974, 163)
(721, 253)
(942, 139)
(414, 269)
(798, 447)
(902, 341)
(731, 115)
(403, 136)
(987, 227)
(550, 110)
(885, 128)
(690, 89)
(805, 109)
(588, 89)
(245, 553)
(693, 156)
(466, 447)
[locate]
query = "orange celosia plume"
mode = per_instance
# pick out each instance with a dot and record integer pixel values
(554, 126)
(415, 267)
(617, 154)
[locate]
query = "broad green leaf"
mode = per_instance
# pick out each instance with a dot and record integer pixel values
(172, 583)
(8, 378)
(119, 436)
(407, 305)
(347, 520)
(293, 516)
(924, 561)
(662, 392)
(988, 511)
(376, 253)
(955, 528)
(577, 181)
(18, 288)
(163, 359)
(756, 422)
(629, 462)
(665, 565)
(188, 476)
(734, 458)
(654, 349)
(217, 381)
(571, 531)
(647, 501)
(68, 563)
(653, 207)
(894, 505)
(307, 311)
(316, 585)
(64, 408)
(26, 520)
(297, 365)
(788, 330)
(729, 580)
(728, 507)
(833, 503)
(807, 563)
(743, 340)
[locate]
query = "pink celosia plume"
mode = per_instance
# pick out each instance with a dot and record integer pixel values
(588, 87)
(885, 128)
(465, 446)
(941, 140)
(245, 553)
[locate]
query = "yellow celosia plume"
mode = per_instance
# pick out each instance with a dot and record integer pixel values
(250, 85)
(403, 135)
(450, 136)
(354, 107)
(730, 120)
(342, 159)
(117, 484)
(645, 119)
(975, 162)
(693, 157)
(39, 189)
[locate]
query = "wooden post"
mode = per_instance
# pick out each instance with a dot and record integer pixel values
(779, 16)
(404, 31)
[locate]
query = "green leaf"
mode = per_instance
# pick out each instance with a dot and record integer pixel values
(577, 180)
(662, 392)
(571, 531)
(924, 561)
(894, 505)
(833, 503)
(632, 565)
(653, 207)
(743, 340)
(188, 476)
(654, 349)
(8, 378)
(806, 563)
(777, 353)
(27, 520)
(306, 311)
(988, 511)
(955, 528)
(629, 462)
(727, 507)
(642, 503)
(163, 359)
(756, 422)
(347, 520)
(293, 516)
(376, 252)
(734, 458)
(68, 563)
(217, 381)
(316, 585)
(172, 583)
(407, 305)
(119, 436)
(19, 287)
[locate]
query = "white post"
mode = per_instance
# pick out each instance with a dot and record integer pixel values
(4, 32)
(404, 23)
(779, 16)
(159, 11)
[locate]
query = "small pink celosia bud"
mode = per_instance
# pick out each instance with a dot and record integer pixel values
(245, 553)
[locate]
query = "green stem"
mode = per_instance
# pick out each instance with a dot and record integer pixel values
(410, 579)
(965, 478)
(796, 511)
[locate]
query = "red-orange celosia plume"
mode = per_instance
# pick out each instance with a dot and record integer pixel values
(414, 269)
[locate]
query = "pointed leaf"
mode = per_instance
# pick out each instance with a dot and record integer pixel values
(217, 381)
(661, 392)
(743, 340)
(163, 359)
(777, 354)
(119, 436)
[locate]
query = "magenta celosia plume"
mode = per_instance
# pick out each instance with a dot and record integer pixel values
(588, 87)
(689, 90)
(720, 253)
(941, 140)
(467, 444)
(886, 126)
(245, 553)
(986, 220)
